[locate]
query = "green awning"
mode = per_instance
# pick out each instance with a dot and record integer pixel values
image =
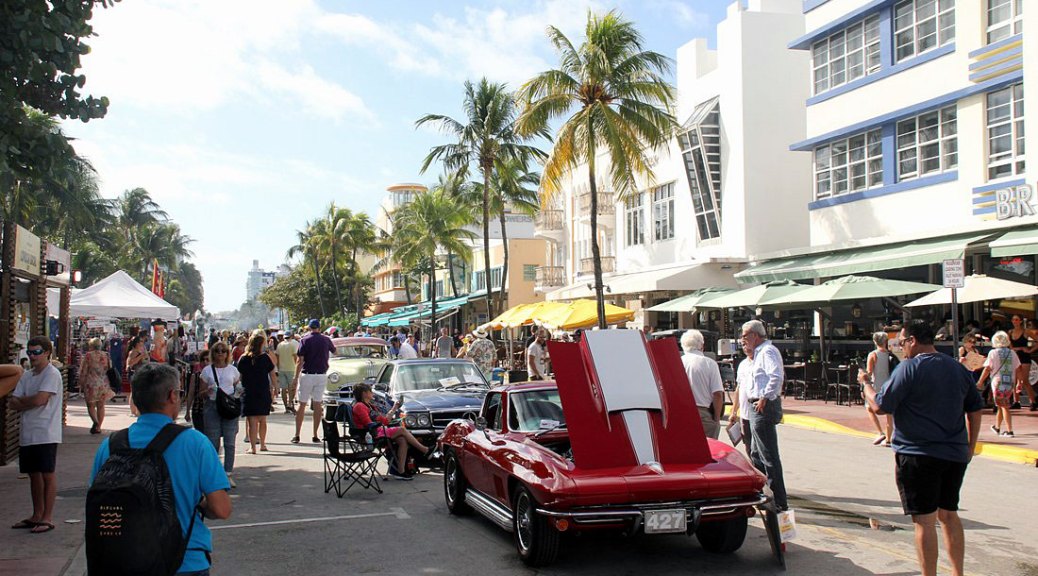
(851, 288)
(377, 319)
(688, 302)
(860, 260)
(1015, 243)
(405, 318)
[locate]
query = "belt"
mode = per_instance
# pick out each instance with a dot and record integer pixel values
(305, 372)
(752, 400)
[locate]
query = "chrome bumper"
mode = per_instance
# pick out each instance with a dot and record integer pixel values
(696, 511)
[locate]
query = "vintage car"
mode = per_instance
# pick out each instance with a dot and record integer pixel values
(355, 359)
(435, 392)
(616, 443)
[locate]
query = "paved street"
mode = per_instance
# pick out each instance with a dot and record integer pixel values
(284, 523)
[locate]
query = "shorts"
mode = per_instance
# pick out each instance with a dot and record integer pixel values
(285, 381)
(927, 483)
(311, 388)
(386, 431)
(37, 458)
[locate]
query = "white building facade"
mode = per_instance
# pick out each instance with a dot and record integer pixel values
(726, 187)
(258, 280)
(915, 127)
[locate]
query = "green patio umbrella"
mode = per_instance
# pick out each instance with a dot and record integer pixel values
(753, 297)
(849, 288)
(689, 302)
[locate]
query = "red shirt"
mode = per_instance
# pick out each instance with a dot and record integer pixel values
(363, 416)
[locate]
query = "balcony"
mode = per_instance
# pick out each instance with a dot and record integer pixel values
(606, 203)
(587, 265)
(549, 277)
(549, 224)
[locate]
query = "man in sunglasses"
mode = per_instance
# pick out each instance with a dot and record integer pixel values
(38, 397)
(937, 412)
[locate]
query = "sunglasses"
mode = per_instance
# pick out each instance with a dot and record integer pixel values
(35, 352)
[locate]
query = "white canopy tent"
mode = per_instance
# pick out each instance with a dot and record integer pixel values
(120, 296)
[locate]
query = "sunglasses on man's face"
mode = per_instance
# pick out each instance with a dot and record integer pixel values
(35, 352)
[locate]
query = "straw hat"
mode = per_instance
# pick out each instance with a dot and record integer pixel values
(480, 332)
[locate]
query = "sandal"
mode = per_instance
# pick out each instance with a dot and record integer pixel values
(879, 440)
(264, 449)
(41, 528)
(24, 525)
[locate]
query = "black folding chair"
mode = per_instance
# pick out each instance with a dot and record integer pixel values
(381, 444)
(346, 460)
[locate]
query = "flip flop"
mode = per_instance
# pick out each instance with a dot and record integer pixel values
(41, 528)
(24, 525)
(263, 449)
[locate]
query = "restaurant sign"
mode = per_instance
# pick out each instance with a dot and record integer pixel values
(26, 251)
(1004, 201)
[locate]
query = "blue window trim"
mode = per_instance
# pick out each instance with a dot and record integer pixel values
(805, 41)
(886, 71)
(950, 176)
(1018, 51)
(996, 45)
(913, 110)
(997, 186)
(810, 5)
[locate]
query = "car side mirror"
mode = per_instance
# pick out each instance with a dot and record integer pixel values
(481, 423)
(381, 387)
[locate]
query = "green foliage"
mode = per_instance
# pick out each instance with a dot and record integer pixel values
(297, 293)
(40, 48)
(345, 321)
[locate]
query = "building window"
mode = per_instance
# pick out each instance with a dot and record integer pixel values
(920, 25)
(849, 165)
(439, 288)
(927, 144)
(847, 55)
(398, 280)
(634, 218)
(700, 143)
(495, 277)
(529, 272)
(663, 212)
(1005, 19)
(1005, 120)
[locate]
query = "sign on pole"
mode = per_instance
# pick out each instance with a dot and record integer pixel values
(954, 273)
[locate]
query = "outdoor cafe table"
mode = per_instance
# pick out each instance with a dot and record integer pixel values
(791, 374)
(842, 373)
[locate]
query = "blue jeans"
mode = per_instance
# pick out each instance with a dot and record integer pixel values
(217, 428)
(764, 451)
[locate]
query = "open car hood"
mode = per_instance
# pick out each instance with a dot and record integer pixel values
(627, 402)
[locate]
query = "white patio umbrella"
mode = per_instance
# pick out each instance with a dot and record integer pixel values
(978, 288)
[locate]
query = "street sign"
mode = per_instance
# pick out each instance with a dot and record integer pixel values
(954, 273)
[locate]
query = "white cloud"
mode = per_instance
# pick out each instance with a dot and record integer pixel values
(317, 96)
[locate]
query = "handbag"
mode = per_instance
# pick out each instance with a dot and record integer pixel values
(114, 380)
(227, 406)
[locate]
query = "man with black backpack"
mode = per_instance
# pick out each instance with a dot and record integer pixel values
(150, 487)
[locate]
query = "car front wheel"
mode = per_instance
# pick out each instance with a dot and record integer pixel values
(535, 538)
(454, 485)
(722, 537)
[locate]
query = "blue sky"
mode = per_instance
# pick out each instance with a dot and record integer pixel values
(245, 118)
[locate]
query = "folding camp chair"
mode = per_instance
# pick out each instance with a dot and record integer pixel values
(345, 459)
(382, 444)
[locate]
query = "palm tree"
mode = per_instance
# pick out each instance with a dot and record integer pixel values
(135, 209)
(622, 106)
(306, 244)
(488, 134)
(358, 236)
(336, 220)
(431, 222)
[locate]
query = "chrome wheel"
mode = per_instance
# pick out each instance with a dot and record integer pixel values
(536, 540)
(523, 520)
(451, 477)
(454, 485)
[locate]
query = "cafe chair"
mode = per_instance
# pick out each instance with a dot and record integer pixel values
(852, 386)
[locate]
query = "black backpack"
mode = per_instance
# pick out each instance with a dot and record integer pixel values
(131, 516)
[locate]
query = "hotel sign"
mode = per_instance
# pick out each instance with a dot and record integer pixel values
(26, 251)
(1015, 202)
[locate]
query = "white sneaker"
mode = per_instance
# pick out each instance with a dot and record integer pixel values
(231, 480)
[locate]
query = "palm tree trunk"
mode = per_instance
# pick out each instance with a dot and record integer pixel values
(504, 269)
(432, 295)
(355, 283)
(596, 255)
(486, 239)
(335, 278)
(407, 287)
(450, 273)
(317, 281)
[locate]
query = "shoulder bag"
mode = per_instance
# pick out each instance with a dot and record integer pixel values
(227, 406)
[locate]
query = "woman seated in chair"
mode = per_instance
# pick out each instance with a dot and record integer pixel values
(366, 415)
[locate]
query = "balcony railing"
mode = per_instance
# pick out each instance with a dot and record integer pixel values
(606, 203)
(550, 276)
(549, 220)
(587, 265)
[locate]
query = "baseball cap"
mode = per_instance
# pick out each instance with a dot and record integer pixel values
(314, 323)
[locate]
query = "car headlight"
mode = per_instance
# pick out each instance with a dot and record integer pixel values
(333, 377)
(410, 421)
(424, 421)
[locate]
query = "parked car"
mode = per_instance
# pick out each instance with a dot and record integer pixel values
(355, 359)
(436, 391)
(615, 444)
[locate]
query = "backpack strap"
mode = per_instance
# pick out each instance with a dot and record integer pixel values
(119, 441)
(165, 437)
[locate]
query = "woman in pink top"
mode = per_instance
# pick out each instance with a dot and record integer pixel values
(93, 382)
(1001, 367)
(366, 415)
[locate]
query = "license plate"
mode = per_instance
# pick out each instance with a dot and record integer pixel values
(664, 521)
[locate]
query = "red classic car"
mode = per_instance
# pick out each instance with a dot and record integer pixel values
(615, 443)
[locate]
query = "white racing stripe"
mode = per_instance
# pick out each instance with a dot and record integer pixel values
(399, 513)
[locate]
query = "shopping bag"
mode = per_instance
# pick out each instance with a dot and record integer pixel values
(787, 525)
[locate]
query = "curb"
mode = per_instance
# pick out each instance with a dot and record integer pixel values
(986, 450)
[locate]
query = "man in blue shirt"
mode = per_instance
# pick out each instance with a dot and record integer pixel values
(932, 397)
(765, 397)
(194, 467)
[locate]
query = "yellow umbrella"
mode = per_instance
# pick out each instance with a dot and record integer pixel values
(581, 314)
(522, 315)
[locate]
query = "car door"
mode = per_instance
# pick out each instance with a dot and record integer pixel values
(498, 462)
(479, 443)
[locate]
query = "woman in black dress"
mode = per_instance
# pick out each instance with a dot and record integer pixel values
(1019, 340)
(258, 375)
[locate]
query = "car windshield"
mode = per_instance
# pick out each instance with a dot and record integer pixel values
(362, 351)
(436, 375)
(535, 411)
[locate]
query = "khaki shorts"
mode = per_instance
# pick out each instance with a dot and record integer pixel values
(311, 388)
(285, 381)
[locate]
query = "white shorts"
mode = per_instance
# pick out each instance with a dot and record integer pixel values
(311, 388)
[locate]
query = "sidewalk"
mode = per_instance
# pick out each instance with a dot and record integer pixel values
(853, 420)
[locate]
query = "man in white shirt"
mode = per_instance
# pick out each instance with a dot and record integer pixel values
(38, 397)
(537, 357)
(407, 348)
(765, 396)
(705, 378)
(741, 407)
